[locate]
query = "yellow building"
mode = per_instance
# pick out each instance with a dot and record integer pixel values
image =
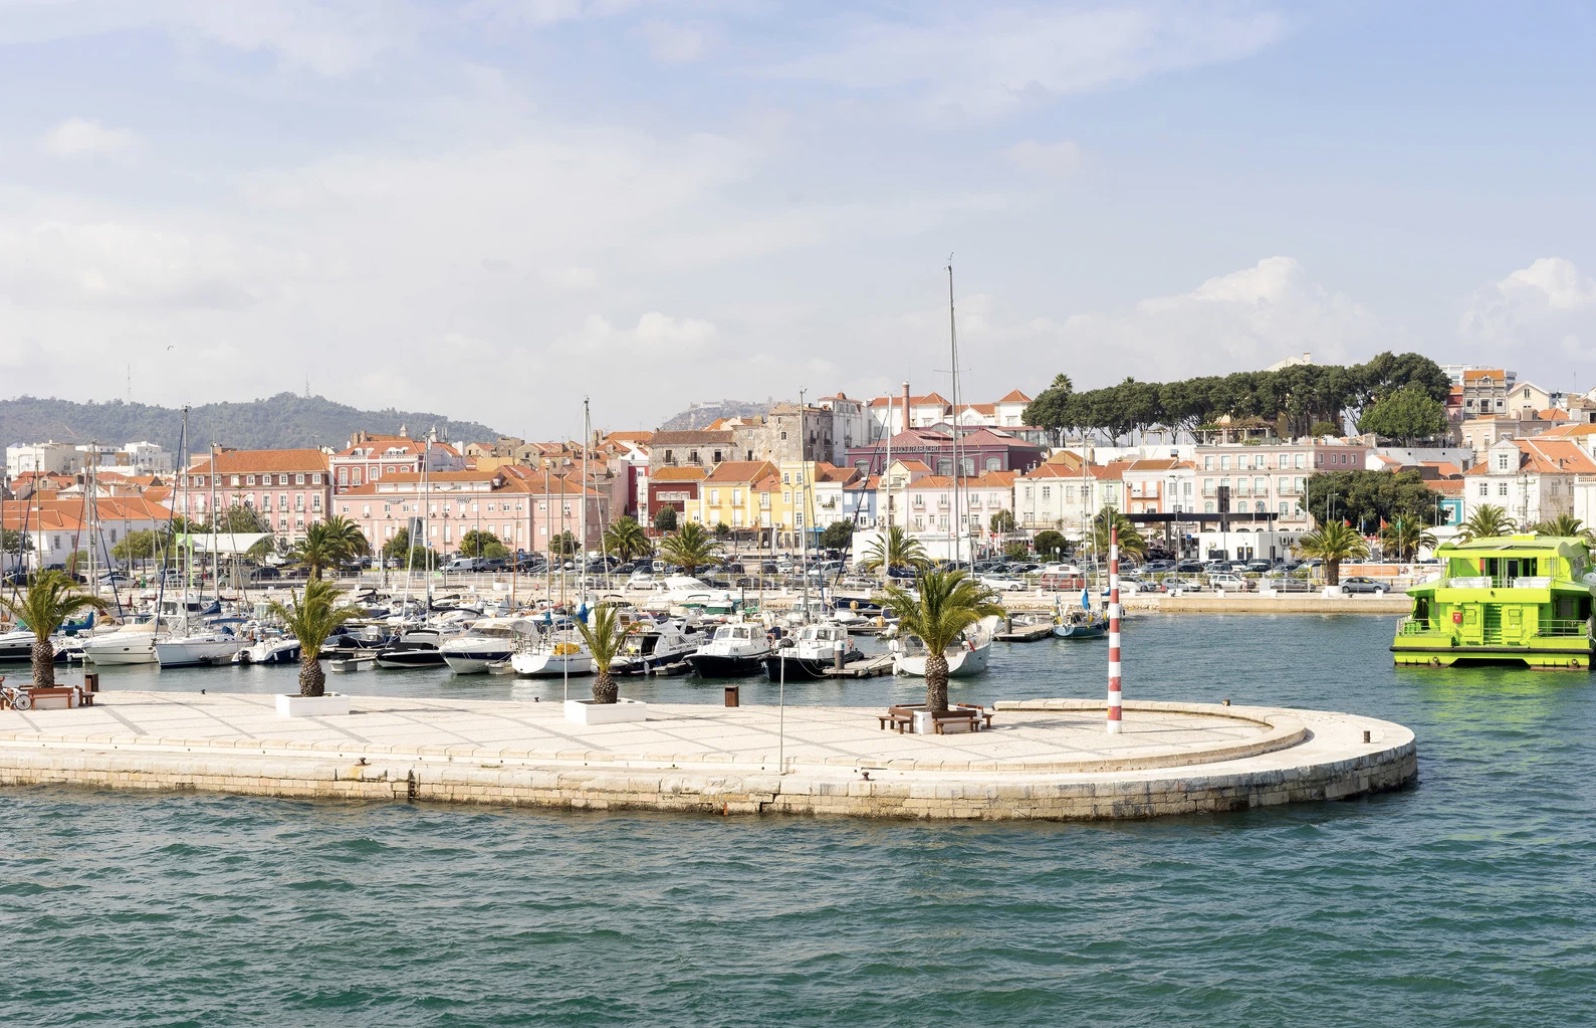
(728, 495)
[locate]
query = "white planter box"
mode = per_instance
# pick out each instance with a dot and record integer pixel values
(1332, 592)
(586, 712)
(327, 705)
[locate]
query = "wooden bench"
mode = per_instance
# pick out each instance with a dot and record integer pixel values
(980, 712)
(62, 697)
(953, 716)
(897, 719)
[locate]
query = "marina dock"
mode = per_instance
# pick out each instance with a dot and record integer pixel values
(1025, 633)
(870, 667)
(1042, 759)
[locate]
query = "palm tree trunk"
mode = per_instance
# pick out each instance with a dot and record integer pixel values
(604, 688)
(43, 663)
(312, 679)
(936, 683)
(1332, 572)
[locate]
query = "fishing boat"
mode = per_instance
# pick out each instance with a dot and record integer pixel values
(1524, 599)
(650, 648)
(735, 651)
(485, 642)
(806, 656)
(966, 657)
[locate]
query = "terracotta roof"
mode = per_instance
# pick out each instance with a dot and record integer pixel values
(911, 464)
(1015, 396)
(630, 437)
(1545, 456)
(1157, 464)
(741, 471)
(980, 408)
(1552, 414)
(687, 474)
(829, 473)
(1498, 374)
(1446, 486)
(244, 462)
(994, 479)
(931, 482)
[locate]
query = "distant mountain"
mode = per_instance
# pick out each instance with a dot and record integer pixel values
(279, 422)
(701, 414)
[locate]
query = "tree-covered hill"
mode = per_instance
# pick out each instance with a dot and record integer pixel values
(284, 420)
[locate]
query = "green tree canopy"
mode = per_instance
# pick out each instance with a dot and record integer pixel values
(689, 547)
(52, 598)
(605, 634)
(837, 536)
(1485, 521)
(1051, 544)
(895, 549)
(1365, 498)
(1002, 522)
(626, 539)
(1333, 543)
(480, 543)
(665, 519)
(311, 617)
(948, 603)
(1408, 414)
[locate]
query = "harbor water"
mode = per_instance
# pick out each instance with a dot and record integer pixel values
(1467, 900)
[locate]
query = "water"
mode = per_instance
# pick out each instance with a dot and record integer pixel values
(1465, 901)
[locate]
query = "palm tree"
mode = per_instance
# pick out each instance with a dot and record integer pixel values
(1333, 543)
(1486, 521)
(626, 539)
(604, 634)
(1131, 542)
(1564, 525)
(895, 550)
(949, 602)
(312, 618)
(689, 547)
(1404, 536)
(348, 540)
(319, 549)
(52, 598)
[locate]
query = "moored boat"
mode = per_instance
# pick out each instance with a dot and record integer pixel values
(736, 651)
(811, 652)
(966, 657)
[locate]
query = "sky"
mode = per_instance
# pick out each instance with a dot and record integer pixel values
(493, 208)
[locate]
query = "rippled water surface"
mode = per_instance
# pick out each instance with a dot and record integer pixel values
(1468, 900)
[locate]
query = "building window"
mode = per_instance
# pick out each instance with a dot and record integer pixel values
(1047, 492)
(1208, 462)
(1501, 462)
(1501, 488)
(1208, 507)
(250, 480)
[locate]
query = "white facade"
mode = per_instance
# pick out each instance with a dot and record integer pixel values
(41, 458)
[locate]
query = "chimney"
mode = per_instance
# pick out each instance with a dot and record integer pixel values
(905, 405)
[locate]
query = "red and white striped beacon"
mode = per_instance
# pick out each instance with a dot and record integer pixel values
(1114, 708)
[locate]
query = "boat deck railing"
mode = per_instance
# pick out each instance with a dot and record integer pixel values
(1497, 582)
(1555, 627)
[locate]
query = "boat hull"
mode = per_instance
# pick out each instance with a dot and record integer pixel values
(1079, 632)
(715, 665)
(1554, 655)
(474, 661)
(399, 660)
(962, 664)
(180, 653)
(551, 665)
(803, 669)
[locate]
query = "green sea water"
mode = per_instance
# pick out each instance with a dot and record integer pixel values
(1468, 900)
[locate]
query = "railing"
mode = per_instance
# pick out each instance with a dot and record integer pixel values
(1477, 582)
(1563, 627)
(1543, 582)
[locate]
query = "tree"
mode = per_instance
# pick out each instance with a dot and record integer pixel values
(1333, 543)
(626, 539)
(313, 617)
(665, 519)
(397, 548)
(605, 634)
(1486, 521)
(1050, 544)
(348, 540)
(722, 530)
(1324, 428)
(1405, 537)
(1565, 526)
(478, 543)
(837, 536)
(76, 561)
(1406, 414)
(1002, 522)
(690, 548)
(1131, 542)
(895, 550)
(316, 551)
(10, 540)
(564, 544)
(948, 603)
(51, 599)
(1016, 551)
(239, 518)
(1365, 498)
(139, 544)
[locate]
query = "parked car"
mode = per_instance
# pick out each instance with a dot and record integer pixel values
(1358, 584)
(1001, 583)
(1230, 583)
(1287, 584)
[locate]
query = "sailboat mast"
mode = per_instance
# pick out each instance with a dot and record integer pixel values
(802, 520)
(587, 422)
(216, 569)
(955, 536)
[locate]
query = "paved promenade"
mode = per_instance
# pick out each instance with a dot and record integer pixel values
(1045, 758)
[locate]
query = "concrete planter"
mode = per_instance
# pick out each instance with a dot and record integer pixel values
(924, 724)
(1332, 592)
(326, 705)
(586, 712)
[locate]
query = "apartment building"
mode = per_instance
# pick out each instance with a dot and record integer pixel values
(289, 490)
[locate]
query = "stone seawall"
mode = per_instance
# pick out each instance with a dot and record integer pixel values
(1047, 760)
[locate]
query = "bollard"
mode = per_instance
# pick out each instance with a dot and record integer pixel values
(734, 696)
(1008, 626)
(91, 681)
(1366, 736)
(836, 654)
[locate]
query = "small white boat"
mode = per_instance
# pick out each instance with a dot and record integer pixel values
(553, 654)
(197, 650)
(654, 647)
(283, 649)
(486, 642)
(965, 658)
(736, 651)
(16, 647)
(130, 644)
(345, 665)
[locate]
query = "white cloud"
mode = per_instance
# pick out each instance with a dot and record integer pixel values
(1050, 159)
(984, 60)
(1548, 306)
(79, 137)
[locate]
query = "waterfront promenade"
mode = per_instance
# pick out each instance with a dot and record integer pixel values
(1043, 759)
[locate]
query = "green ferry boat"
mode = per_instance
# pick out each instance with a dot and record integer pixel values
(1513, 598)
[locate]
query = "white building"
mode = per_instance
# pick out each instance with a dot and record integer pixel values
(51, 458)
(1532, 479)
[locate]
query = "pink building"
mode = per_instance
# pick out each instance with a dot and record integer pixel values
(368, 458)
(289, 489)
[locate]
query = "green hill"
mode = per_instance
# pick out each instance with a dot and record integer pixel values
(280, 421)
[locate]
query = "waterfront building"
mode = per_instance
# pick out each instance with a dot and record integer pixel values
(1484, 390)
(676, 487)
(48, 458)
(1065, 492)
(1484, 431)
(1532, 479)
(369, 457)
(978, 450)
(728, 496)
(289, 490)
(1271, 475)
(52, 529)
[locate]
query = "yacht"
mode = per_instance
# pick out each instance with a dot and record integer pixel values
(552, 654)
(650, 648)
(965, 658)
(806, 656)
(16, 647)
(211, 647)
(282, 649)
(418, 647)
(130, 644)
(486, 642)
(736, 651)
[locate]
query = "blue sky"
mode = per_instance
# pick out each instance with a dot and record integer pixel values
(492, 207)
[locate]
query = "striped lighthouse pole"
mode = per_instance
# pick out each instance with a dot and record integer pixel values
(1113, 632)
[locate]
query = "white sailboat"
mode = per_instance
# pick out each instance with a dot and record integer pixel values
(966, 657)
(552, 654)
(207, 646)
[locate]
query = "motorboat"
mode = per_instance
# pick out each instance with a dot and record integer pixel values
(551, 654)
(736, 651)
(418, 647)
(130, 644)
(217, 647)
(485, 642)
(966, 657)
(16, 647)
(649, 648)
(282, 649)
(806, 656)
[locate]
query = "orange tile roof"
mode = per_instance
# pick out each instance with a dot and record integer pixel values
(674, 474)
(1546, 456)
(1477, 374)
(741, 471)
(1015, 396)
(242, 462)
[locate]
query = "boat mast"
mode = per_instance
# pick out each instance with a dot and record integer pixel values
(955, 536)
(216, 569)
(802, 520)
(582, 498)
(886, 480)
(426, 515)
(93, 511)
